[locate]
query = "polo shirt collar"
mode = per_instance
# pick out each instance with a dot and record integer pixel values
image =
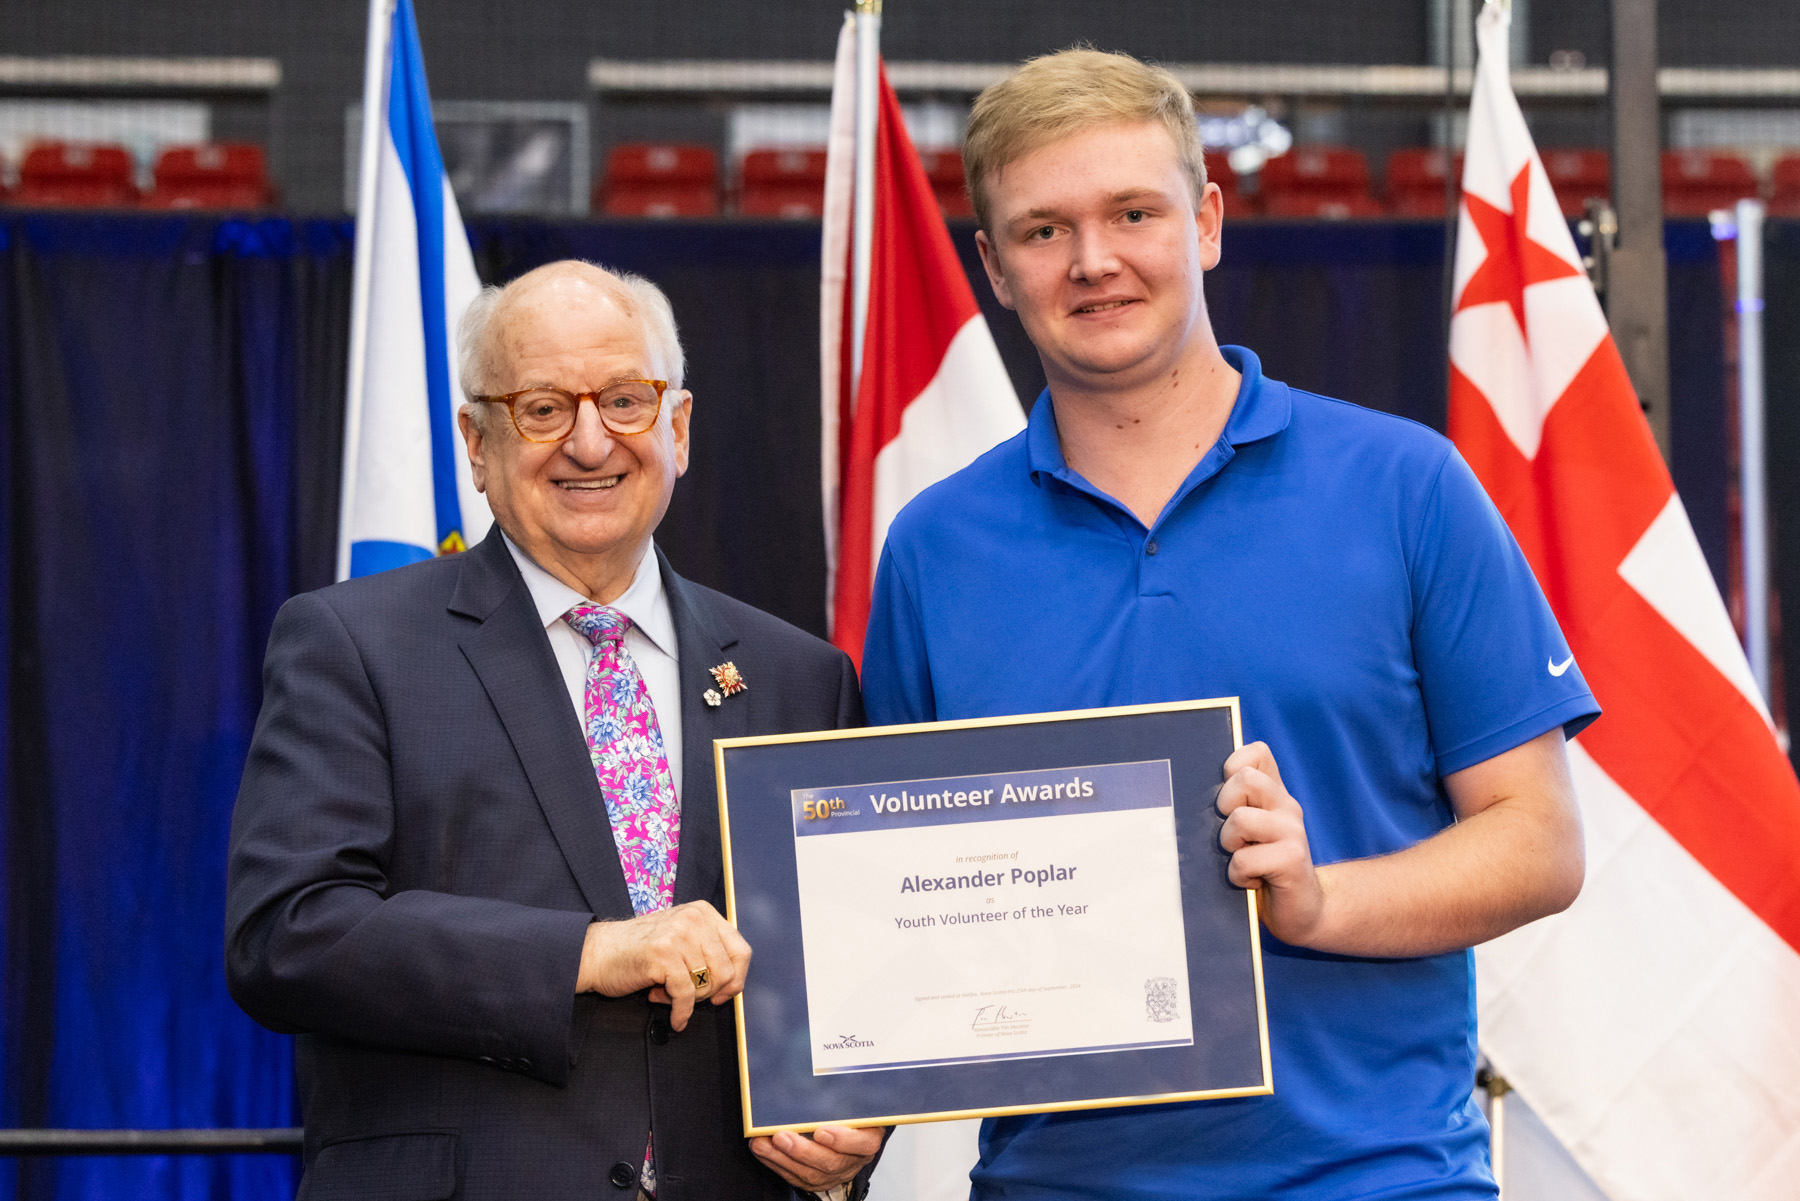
(644, 602)
(1262, 409)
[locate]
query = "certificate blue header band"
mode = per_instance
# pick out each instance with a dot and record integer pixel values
(948, 800)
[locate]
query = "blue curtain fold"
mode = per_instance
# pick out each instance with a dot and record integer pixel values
(173, 389)
(156, 379)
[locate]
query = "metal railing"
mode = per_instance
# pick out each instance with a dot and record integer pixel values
(140, 73)
(1400, 82)
(277, 1141)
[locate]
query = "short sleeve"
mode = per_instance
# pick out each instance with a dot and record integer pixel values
(1494, 668)
(896, 671)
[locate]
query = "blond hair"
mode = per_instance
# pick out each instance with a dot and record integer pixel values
(1055, 95)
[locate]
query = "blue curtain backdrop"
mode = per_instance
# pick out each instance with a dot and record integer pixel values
(173, 389)
(156, 385)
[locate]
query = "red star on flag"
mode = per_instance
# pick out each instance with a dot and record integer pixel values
(1514, 262)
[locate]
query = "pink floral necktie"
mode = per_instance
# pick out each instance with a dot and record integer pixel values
(626, 746)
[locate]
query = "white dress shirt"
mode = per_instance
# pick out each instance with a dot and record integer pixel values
(651, 641)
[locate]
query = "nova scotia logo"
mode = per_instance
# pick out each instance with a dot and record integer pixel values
(846, 1042)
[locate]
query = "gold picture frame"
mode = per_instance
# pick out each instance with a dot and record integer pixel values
(846, 743)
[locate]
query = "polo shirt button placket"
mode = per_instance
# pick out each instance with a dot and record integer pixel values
(1150, 548)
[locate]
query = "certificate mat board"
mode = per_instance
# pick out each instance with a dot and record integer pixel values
(975, 918)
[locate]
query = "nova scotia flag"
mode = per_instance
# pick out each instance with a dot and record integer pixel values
(407, 494)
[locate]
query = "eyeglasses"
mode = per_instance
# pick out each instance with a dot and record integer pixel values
(548, 414)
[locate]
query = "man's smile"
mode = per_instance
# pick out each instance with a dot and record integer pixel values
(601, 484)
(1105, 306)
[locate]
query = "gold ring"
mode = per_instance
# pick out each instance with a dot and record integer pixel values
(701, 977)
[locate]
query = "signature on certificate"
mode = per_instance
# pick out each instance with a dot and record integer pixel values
(1000, 1019)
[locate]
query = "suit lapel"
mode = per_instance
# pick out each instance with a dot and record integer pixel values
(511, 655)
(705, 639)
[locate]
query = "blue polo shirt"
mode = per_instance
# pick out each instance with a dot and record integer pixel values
(1343, 573)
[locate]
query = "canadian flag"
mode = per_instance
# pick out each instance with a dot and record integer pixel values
(933, 393)
(1655, 1026)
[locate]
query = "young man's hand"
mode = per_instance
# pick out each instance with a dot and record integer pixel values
(1265, 834)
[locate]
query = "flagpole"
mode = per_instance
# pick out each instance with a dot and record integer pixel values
(1451, 183)
(1752, 484)
(868, 60)
(375, 72)
(1497, 1088)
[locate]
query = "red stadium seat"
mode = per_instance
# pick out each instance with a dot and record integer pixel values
(220, 175)
(1578, 176)
(671, 201)
(1318, 181)
(783, 183)
(944, 168)
(1218, 170)
(1415, 181)
(1327, 207)
(76, 175)
(659, 179)
(1695, 182)
(1785, 202)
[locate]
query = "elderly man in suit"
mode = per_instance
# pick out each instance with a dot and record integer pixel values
(475, 862)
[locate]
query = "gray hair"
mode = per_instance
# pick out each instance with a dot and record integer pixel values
(477, 352)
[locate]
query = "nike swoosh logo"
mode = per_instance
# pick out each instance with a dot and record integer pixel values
(1556, 669)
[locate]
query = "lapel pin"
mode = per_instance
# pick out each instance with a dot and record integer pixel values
(729, 678)
(711, 697)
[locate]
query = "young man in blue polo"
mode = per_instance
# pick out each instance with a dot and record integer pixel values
(1173, 524)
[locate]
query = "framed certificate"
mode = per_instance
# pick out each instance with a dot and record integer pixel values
(973, 918)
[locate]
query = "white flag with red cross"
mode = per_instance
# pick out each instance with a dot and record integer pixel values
(932, 391)
(1655, 1026)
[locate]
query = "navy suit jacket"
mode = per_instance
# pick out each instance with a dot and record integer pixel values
(418, 847)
